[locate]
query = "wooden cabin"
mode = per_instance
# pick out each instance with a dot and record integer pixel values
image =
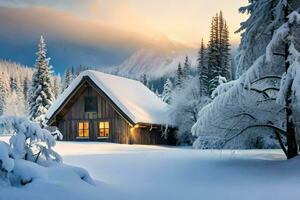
(103, 107)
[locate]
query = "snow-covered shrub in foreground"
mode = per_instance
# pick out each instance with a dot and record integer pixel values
(29, 156)
(6, 162)
(29, 141)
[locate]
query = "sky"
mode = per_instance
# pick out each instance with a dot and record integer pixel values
(105, 32)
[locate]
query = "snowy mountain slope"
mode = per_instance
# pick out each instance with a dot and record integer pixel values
(156, 60)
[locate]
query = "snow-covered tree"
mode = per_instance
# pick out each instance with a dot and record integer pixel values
(186, 68)
(289, 91)
(16, 105)
(186, 103)
(218, 51)
(4, 90)
(25, 88)
(224, 51)
(56, 85)
(144, 80)
(202, 70)
(244, 113)
(68, 78)
(213, 54)
(257, 30)
(179, 76)
(41, 96)
(157, 94)
(167, 91)
(13, 84)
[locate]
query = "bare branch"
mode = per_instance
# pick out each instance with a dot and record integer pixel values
(261, 92)
(266, 77)
(256, 126)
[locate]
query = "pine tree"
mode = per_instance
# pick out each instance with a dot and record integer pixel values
(16, 106)
(144, 80)
(186, 68)
(13, 84)
(68, 78)
(167, 91)
(152, 88)
(218, 51)
(56, 82)
(4, 90)
(179, 76)
(256, 32)
(225, 55)
(202, 70)
(41, 96)
(157, 93)
(213, 55)
(25, 88)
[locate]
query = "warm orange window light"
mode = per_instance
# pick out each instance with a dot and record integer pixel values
(83, 129)
(104, 129)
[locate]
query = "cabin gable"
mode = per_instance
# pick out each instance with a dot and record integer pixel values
(76, 121)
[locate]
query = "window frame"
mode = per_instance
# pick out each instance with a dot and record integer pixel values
(83, 129)
(105, 128)
(95, 107)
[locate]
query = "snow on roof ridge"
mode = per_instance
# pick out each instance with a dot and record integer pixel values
(139, 103)
(112, 75)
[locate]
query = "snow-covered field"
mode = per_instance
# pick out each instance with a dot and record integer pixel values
(138, 172)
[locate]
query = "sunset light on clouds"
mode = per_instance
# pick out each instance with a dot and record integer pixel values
(106, 32)
(185, 21)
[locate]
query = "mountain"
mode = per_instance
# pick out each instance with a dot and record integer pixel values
(158, 59)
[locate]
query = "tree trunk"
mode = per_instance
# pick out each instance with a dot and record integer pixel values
(292, 144)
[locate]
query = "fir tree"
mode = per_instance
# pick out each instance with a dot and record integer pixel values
(186, 68)
(179, 76)
(4, 90)
(41, 96)
(202, 70)
(167, 91)
(25, 88)
(225, 55)
(13, 84)
(16, 105)
(213, 55)
(157, 93)
(68, 78)
(152, 88)
(56, 82)
(144, 80)
(218, 51)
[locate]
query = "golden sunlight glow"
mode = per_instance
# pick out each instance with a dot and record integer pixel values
(186, 21)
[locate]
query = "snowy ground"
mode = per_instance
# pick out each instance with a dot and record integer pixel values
(138, 172)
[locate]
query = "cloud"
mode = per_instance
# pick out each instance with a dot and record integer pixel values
(71, 40)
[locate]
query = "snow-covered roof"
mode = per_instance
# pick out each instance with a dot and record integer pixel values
(139, 103)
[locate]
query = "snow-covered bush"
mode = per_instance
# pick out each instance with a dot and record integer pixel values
(29, 141)
(6, 162)
(29, 153)
(186, 103)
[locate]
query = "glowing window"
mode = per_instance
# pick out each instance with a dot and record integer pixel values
(104, 129)
(83, 129)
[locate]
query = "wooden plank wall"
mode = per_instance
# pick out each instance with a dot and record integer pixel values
(120, 129)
